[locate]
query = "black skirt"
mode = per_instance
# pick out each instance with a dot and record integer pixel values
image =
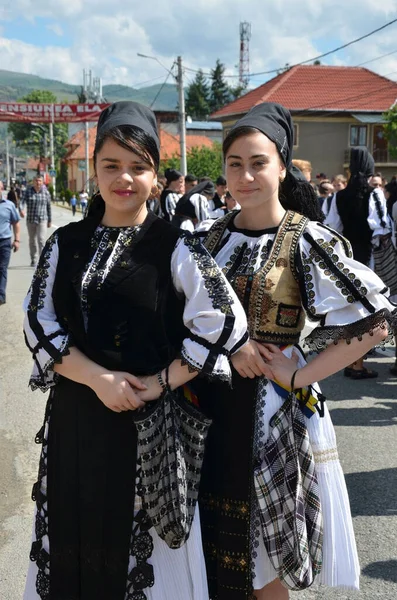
(91, 471)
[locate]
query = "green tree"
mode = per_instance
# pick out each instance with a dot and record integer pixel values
(202, 161)
(220, 93)
(197, 98)
(36, 139)
(237, 91)
(390, 129)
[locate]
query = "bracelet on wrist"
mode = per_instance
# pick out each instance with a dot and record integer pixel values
(163, 384)
(293, 380)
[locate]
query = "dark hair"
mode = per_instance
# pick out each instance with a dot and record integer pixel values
(392, 189)
(190, 178)
(221, 180)
(133, 139)
(295, 195)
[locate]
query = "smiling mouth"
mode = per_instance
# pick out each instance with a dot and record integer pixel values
(247, 191)
(123, 192)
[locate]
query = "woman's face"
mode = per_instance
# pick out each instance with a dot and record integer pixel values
(253, 170)
(125, 181)
(178, 186)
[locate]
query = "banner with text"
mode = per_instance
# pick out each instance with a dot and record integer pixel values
(12, 112)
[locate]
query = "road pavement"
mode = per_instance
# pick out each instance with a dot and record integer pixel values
(364, 413)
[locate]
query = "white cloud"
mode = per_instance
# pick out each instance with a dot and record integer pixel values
(107, 36)
(55, 28)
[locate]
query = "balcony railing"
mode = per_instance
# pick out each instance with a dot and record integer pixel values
(380, 156)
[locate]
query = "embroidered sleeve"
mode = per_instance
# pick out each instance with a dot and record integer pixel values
(378, 219)
(213, 314)
(170, 203)
(344, 297)
(45, 338)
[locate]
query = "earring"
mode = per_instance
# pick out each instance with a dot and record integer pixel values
(154, 192)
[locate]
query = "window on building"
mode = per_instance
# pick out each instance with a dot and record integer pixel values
(296, 135)
(358, 135)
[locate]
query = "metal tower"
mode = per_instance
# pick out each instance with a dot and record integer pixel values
(244, 67)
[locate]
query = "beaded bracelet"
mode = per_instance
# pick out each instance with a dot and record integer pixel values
(163, 384)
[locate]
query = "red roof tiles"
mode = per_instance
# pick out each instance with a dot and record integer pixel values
(320, 87)
(169, 144)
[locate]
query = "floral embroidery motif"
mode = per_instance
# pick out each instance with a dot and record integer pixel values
(40, 276)
(107, 244)
(213, 280)
(237, 509)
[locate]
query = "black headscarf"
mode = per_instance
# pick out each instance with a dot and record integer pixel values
(172, 175)
(184, 208)
(276, 123)
(362, 163)
(353, 204)
(129, 113)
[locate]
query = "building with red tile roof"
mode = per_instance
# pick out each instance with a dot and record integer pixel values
(333, 107)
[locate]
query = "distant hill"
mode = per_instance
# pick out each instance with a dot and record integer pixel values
(13, 86)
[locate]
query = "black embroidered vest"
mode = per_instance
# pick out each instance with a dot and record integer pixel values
(135, 321)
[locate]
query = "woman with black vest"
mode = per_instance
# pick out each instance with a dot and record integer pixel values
(121, 306)
(273, 502)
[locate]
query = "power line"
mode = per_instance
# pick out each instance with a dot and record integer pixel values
(162, 87)
(304, 62)
(377, 58)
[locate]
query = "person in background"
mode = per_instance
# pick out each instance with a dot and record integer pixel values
(8, 219)
(13, 196)
(190, 182)
(376, 181)
(391, 197)
(37, 200)
(321, 177)
(305, 166)
(231, 203)
(339, 182)
(192, 208)
(221, 189)
(325, 194)
(73, 203)
(153, 204)
(83, 196)
(174, 189)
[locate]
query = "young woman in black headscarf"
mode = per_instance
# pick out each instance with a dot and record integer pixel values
(284, 266)
(192, 208)
(115, 299)
(175, 186)
(367, 226)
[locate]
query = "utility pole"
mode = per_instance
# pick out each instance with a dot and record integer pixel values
(182, 116)
(7, 163)
(87, 89)
(52, 167)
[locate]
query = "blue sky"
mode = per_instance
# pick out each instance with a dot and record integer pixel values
(59, 40)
